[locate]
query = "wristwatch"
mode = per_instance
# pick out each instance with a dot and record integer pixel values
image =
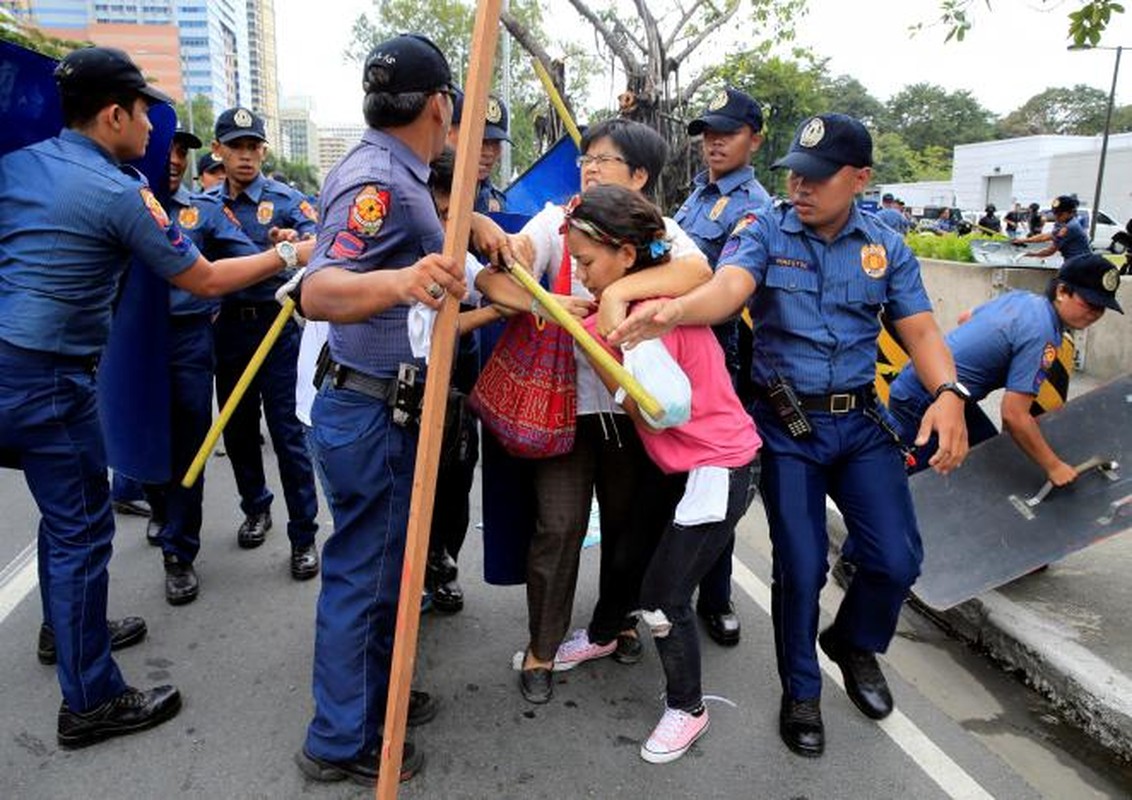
(954, 387)
(289, 253)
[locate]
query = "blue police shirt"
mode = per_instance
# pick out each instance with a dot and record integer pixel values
(712, 209)
(377, 213)
(71, 217)
(893, 219)
(215, 231)
(488, 198)
(264, 205)
(1009, 342)
(1071, 239)
(815, 304)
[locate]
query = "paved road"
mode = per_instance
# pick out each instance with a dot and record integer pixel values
(241, 655)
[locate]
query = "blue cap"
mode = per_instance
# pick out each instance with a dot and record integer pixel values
(406, 63)
(106, 69)
(208, 162)
(1093, 277)
(495, 125)
(825, 144)
(236, 123)
(187, 138)
(728, 111)
(1065, 203)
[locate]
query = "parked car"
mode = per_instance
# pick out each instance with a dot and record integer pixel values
(1105, 237)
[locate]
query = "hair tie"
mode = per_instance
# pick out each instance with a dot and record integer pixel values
(658, 247)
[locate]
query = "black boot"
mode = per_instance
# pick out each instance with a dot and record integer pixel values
(440, 580)
(181, 584)
(123, 633)
(129, 712)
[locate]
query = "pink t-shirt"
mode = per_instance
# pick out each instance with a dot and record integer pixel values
(720, 433)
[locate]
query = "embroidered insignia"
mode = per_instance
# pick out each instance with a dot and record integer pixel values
(188, 217)
(743, 222)
(719, 101)
(242, 118)
(231, 215)
(717, 209)
(1111, 280)
(154, 207)
(494, 206)
(813, 133)
(874, 260)
(307, 210)
(1049, 355)
(368, 211)
(347, 246)
(494, 113)
(264, 212)
(728, 250)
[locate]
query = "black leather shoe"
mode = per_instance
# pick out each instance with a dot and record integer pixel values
(800, 726)
(629, 649)
(154, 530)
(181, 584)
(843, 572)
(537, 684)
(129, 712)
(132, 508)
(864, 682)
(722, 626)
(123, 633)
(361, 770)
(440, 579)
(304, 562)
(423, 707)
(253, 530)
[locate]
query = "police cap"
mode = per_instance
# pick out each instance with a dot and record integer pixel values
(189, 139)
(239, 122)
(728, 111)
(406, 63)
(208, 162)
(826, 143)
(495, 125)
(1093, 277)
(1064, 202)
(103, 69)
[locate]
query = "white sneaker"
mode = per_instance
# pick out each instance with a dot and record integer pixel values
(673, 735)
(579, 648)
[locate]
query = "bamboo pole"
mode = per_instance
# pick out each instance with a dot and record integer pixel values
(556, 101)
(485, 35)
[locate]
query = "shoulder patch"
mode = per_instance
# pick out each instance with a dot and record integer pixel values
(1049, 355)
(743, 222)
(729, 249)
(307, 210)
(188, 217)
(368, 211)
(347, 246)
(264, 212)
(154, 207)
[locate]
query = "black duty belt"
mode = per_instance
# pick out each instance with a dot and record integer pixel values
(247, 312)
(834, 403)
(384, 389)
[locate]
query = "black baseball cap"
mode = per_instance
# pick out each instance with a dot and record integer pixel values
(826, 143)
(728, 111)
(1064, 202)
(101, 69)
(1093, 277)
(406, 63)
(208, 162)
(888, 198)
(239, 122)
(187, 138)
(495, 124)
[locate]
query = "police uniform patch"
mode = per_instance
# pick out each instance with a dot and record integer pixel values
(494, 113)
(188, 217)
(494, 206)
(307, 210)
(743, 222)
(1111, 280)
(242, 118)
(728, 250)
(368, 211)
(874, 260)
(231, 215)
(154, 207)
(347, 246)
(264, 212)
(719, 101)
(717, 209)
(1049, 355)
(813, 133)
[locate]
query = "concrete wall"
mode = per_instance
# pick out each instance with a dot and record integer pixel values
(954, 287)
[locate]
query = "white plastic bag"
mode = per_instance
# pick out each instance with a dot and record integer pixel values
(657, 371)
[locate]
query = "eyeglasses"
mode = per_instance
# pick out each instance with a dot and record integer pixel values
(601, 161)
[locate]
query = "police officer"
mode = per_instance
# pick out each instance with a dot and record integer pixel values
(815, 273)
(214, 230)
(891, 215)
(1011, 343)
(71, 213)
(378, 252)
(263, 206)
(1067, 237)
(488, 197)
(210, 170)
(1013, 219)
(989, 222)
(731, 129)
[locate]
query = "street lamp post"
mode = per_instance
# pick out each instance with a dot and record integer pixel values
(1104, 139)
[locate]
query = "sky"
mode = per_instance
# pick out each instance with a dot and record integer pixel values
(1016, 50)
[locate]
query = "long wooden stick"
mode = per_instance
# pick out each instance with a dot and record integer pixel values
(258, 357)
(484, 37)
(556, 101)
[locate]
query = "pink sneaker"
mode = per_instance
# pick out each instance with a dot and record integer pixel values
(673, 735)
(579, 648)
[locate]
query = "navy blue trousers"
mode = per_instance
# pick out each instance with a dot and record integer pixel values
(850, 459)
(49, 420)
(237, 336)
(366, 463)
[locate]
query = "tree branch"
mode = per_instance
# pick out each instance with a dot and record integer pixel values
(708, 30)
(529, 43)
(630, 62)
(696, 83)
(684, 20)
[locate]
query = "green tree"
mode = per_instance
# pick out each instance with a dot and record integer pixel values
(298, 174)
(18, 32)
(848, 95)
(202, 117)
(926, 114)
(893, 160)
(1058, 110)
(1086, 22)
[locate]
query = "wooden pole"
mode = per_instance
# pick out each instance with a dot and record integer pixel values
(485, 35)
(557, 102)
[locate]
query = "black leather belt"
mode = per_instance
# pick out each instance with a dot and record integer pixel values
(384, 389)
(837, 402)
(248, 312)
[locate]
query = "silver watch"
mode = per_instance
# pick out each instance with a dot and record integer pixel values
(289, 253)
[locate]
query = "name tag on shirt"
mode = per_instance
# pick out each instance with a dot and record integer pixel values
(791, 263)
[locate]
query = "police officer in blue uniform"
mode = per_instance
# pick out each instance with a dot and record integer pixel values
(263, 206)
(1011, 343)
(731, 127)
(892, 216)
(213, 228)
(1067, 237)
(815, 273)
(210, 170)
(488, 198)
(378, 251)
(71, 213)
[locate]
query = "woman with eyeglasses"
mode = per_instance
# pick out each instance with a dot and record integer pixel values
(608, 457)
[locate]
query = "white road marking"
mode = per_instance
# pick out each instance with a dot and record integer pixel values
(936, 764)
(18, 580)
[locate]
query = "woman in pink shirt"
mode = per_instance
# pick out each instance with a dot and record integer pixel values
(613, 231)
